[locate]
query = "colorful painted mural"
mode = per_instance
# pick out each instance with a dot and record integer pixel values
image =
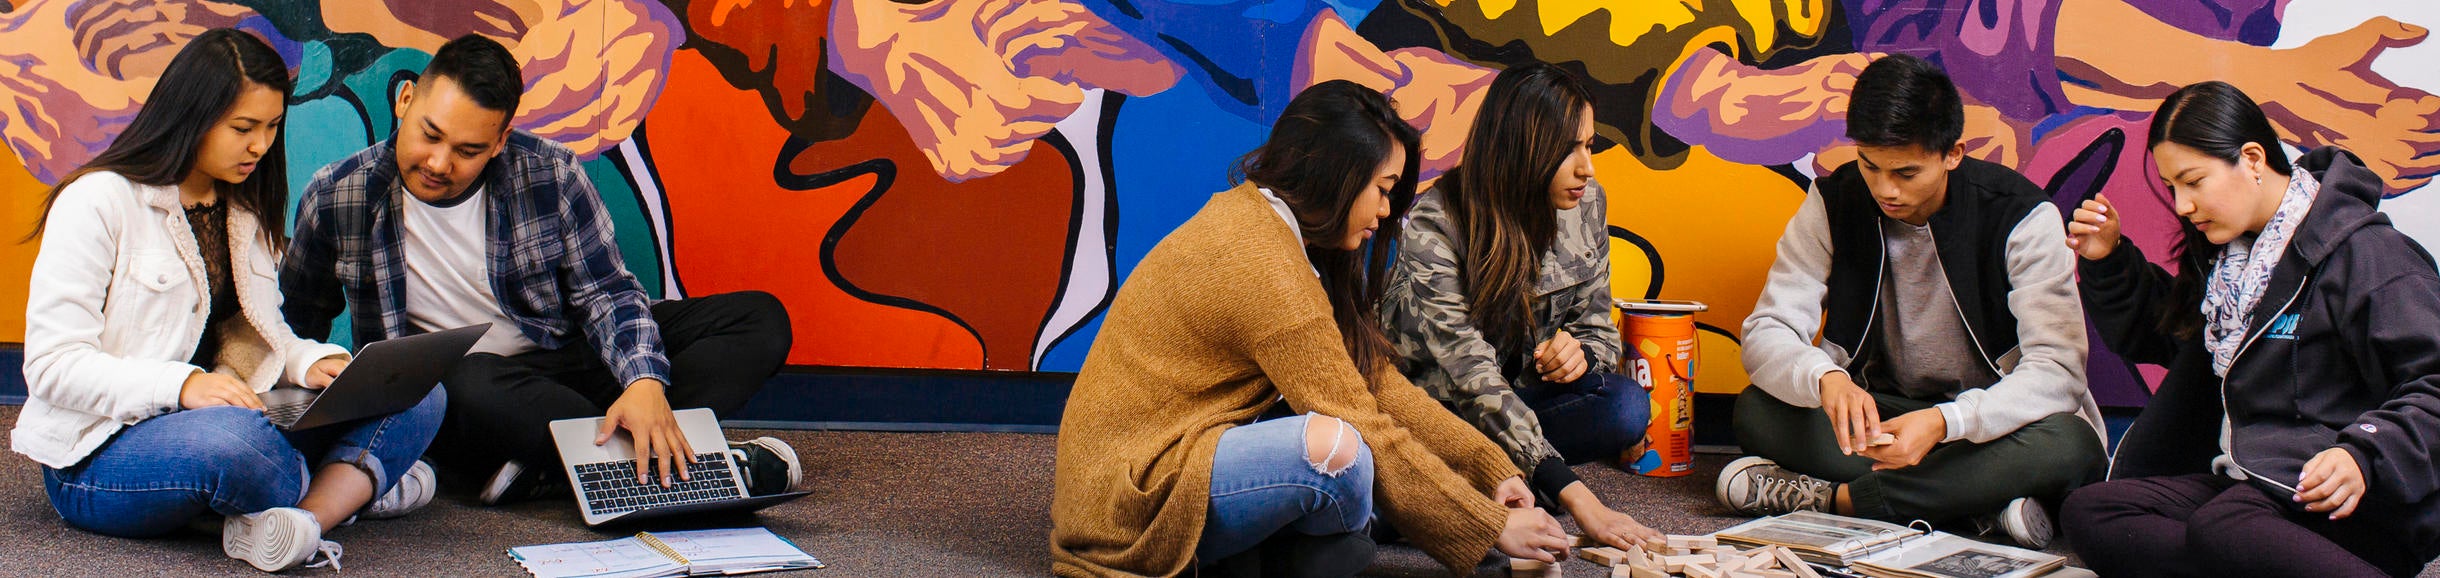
(963, 184)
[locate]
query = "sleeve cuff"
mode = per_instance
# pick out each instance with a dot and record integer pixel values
(1955, 417)
(1552, 475)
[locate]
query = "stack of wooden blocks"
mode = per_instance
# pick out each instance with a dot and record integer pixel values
(1688, 556)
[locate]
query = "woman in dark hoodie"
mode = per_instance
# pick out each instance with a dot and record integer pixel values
(2292, 434)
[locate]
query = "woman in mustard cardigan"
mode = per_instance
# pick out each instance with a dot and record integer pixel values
(1267, 297)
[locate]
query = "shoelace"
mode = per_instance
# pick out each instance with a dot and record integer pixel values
(1795, 493)
(329, 553)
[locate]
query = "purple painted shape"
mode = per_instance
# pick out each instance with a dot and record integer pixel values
(2114, 382)
(1999, 52)
(2253, 22)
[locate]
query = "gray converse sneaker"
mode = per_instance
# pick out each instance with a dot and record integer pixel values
(2024, 521)
(278, 539)
(412, 491)
(1754, 486)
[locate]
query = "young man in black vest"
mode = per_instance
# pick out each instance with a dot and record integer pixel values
(1947, 382)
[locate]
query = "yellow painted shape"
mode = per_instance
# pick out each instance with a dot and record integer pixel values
(1716, 226)
(1626, 23)
(20, 207)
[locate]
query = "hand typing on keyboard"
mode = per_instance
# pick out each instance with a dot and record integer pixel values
(613, 487)
(644, 412)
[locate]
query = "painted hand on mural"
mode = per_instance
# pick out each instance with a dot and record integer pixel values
(2324, 93)
(592, 67)
(2321, 93)
(1747, 114)
(1433, 91)
(975, 82)
(73, 73)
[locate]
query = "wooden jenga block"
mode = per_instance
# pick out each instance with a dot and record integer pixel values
(1603, 555)
(1701, 571)
(1531, 568)
(1768, 573)
(1692, 542)
(1583, 541)
(1759, 560)
(1679, 563)
(1882, 440)
(1788, 560)
(1637, 572)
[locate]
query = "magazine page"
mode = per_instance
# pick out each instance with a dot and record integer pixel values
(1943, 555)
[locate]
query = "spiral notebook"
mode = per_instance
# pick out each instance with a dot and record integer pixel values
(650, 555)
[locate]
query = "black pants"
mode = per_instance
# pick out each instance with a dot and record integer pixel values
(2209, 525)
(721, 348)
(2043, 460)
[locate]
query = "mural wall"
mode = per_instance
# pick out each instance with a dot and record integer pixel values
(962, 184)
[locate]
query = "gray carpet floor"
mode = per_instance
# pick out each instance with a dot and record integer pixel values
(884, 504)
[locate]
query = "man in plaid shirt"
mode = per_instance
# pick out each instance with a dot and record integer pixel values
(460, 220)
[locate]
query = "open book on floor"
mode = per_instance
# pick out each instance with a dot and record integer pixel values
(650, 555)
(1819, 538)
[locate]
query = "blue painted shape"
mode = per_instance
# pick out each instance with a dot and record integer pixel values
(1163, 177)
(1243, 52)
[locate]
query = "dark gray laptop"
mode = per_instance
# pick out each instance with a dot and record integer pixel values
(386, 377)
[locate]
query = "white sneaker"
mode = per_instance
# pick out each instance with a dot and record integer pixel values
(1756, 486)
(412, 492)
(2025, 522)
(278, 539)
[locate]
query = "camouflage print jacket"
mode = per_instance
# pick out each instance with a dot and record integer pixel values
(1425, 312)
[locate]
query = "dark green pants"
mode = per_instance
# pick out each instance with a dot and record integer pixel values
(2042, 460)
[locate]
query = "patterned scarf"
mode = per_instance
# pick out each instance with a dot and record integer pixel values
(2243, 272)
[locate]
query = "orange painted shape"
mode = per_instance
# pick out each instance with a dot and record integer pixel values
(735, 229)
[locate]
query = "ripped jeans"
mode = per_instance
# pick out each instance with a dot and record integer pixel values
(1311, 473)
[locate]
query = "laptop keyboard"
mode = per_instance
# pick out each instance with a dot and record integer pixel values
(610, 488)
(286, 414)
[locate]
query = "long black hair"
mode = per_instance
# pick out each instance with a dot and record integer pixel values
(2217, 120)
(1499, 196)
(1319, 158)
(200, 86)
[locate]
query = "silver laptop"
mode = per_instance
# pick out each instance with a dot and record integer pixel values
(603, 476)
(386, 377)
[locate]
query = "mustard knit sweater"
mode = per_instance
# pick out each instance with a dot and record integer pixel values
(1222, 319)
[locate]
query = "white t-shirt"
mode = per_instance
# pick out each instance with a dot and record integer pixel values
(449, 275)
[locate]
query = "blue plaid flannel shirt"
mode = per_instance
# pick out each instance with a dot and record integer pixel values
(553, 256)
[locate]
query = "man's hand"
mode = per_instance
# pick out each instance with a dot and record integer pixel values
(324, 372)
(1854, 417)
(1916, 433)
(644, 412)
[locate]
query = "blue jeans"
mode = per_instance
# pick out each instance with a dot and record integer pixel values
(1263, 481)
(155, 476)
(1595, 418)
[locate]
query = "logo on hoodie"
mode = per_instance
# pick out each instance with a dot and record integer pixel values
(2283, 327)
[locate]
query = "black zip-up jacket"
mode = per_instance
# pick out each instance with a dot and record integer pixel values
(2343, 351)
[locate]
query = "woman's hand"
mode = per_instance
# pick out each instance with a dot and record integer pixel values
(2332, 483)
(1533, 535)
(205, 389)
(324, 372)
